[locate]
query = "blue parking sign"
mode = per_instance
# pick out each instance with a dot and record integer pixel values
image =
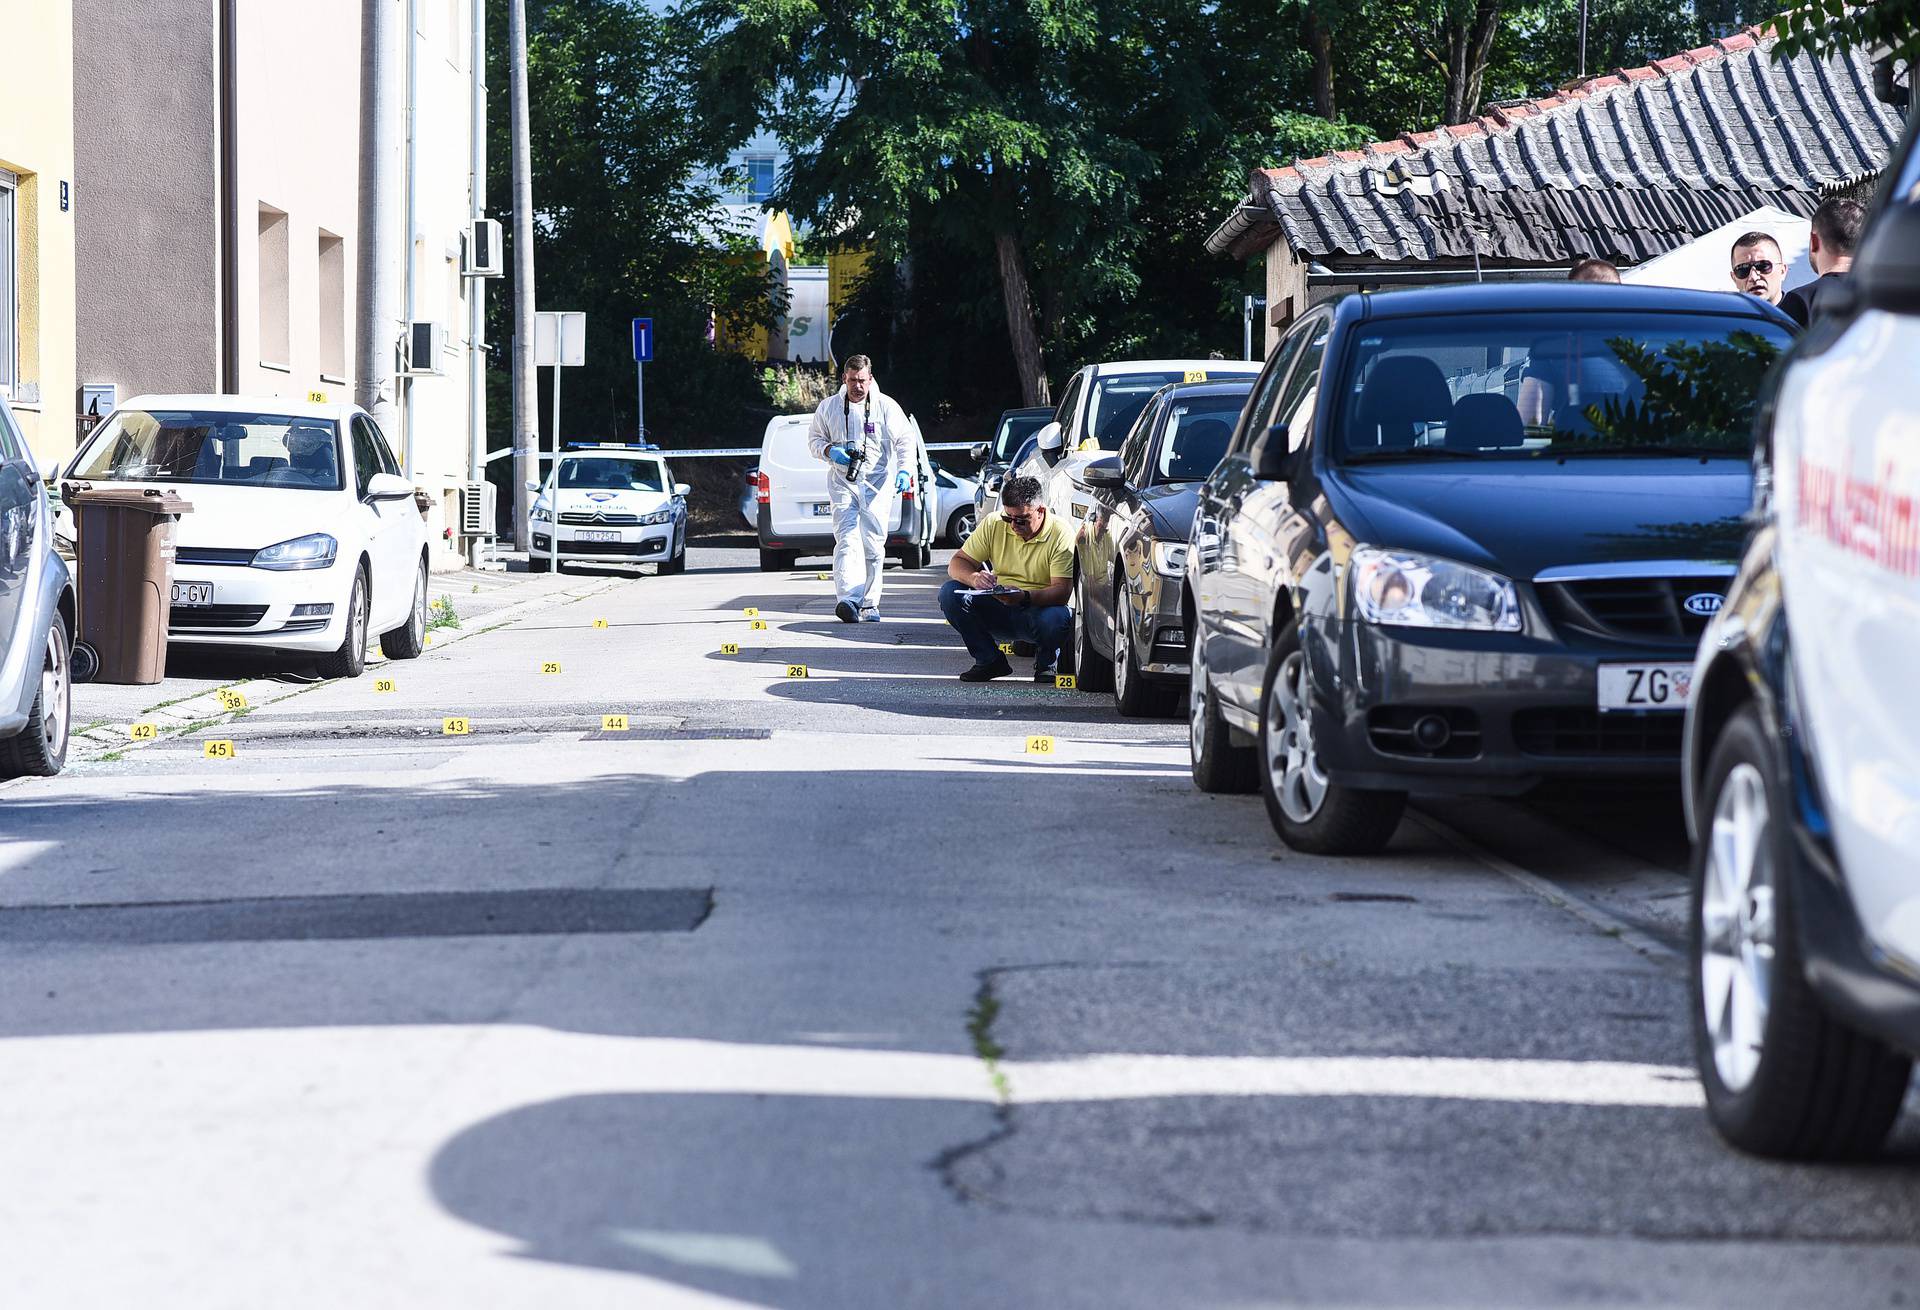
(643, 340)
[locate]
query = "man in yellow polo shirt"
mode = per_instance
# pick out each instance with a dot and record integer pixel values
(1010, 581)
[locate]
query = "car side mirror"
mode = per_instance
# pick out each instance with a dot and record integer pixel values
(1886, 272)
(979, 451)
(532, 485)
(1105, 473)
(389, 486)
(682, 488)
(1271, 460)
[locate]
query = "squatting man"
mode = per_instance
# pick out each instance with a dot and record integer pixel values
(866, 441)
(1010, 581)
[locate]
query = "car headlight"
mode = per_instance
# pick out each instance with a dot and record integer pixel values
(315, 551)
(541, 514)
(1170, 558)
(658, 516)
(1419, 591)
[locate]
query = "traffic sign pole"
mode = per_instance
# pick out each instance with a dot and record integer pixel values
(642, 352)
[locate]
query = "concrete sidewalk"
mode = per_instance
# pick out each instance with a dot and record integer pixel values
(201, 682)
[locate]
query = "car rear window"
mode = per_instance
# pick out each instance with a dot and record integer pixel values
(223, 448)
(1563, 385)
(1015, 430)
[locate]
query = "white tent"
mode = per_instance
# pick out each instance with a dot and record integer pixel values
(1702, 264)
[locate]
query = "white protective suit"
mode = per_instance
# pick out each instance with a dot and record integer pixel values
(862, 509)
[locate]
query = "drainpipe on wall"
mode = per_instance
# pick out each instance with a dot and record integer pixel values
(477, 286)
(229, 202)
(376, 338)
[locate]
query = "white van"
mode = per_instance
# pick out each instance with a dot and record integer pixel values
(795, 518)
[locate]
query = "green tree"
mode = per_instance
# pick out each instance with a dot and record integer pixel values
(1877, 26)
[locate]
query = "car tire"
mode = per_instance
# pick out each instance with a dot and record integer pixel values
(39, 749)
(1311, 812)
(410, 638)
(913, 557)
(1134, 695)
(539, 562)
(1786, 1080)
(350, 660)
(1217, 764)
(675, 563)
(775, 561)
(1092, 671)
(960, 526)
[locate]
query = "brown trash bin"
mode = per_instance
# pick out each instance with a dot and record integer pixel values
(124, 545)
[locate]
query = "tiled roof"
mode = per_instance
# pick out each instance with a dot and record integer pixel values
(1623, 166)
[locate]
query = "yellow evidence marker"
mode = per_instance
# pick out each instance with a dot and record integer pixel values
(1196, 375)
(549, 666)
(233, 700)
(613, 723)
(145, 732)
(751, 612)
(824, 577)
(758, 625)
(796, 670)
(1064, 681)
(729, 648)
(455, 727)
(384, 684)
(218, 750)
(600, 624)
(1039, 745)
(1006, 648)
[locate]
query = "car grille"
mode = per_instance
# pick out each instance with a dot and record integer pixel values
(646, 547)
(1562, 732)
(211, 555)
(215, 616)
(595, 516)
(1630, 609)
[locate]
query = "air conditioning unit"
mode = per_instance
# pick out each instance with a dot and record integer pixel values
(482, 252)
(477, 506)
(425, 344)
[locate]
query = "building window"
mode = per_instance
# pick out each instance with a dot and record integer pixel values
(275, 336)
(760, 170)
(333, 307)
(9, 287)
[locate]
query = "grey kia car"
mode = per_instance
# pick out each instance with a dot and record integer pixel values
(37, 614)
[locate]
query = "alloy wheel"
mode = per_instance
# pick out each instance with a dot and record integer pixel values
(420, 607)
(357, 618)
(56, 694)
(1737, 927)
(1197, 700)
(1122, 644)
(1299, 783)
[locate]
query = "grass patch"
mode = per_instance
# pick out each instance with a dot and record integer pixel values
(986, 1008)
(441, 614)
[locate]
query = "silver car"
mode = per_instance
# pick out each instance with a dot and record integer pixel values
(37, 611)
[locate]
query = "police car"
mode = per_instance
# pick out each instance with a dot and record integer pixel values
(1802, 747)
(615, 504)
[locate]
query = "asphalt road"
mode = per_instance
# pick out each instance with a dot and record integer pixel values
(824, 992)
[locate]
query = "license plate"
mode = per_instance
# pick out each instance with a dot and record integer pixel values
(1645, 686)
(192, 593)
(590, 535)
(821, 509)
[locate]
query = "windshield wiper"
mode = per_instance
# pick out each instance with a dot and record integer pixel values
(1643, 452)
(1410, 455)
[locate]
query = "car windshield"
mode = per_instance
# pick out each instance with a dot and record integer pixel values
(604, 473)
(1198, 431)
(1563, 385)
(224, 448)
(1118, 400)
(1015, 429)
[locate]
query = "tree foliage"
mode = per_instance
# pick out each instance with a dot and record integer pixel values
(1822, 26)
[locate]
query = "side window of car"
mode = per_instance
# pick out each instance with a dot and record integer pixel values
(1133, 449)
(381, 450)
(1253, 418)
(366, 458)
(12, 445)
(1302, 391)
(1063, 415)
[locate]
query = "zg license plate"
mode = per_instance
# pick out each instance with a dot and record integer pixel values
(1645, 686)
(821, 509)
(192, 593)
(590, 535)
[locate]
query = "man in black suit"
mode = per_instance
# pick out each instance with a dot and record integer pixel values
(1836, 231)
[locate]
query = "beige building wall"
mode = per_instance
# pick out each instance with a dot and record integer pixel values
(296, 189)
(36, 152)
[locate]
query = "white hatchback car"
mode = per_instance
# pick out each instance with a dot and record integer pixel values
(303, 535)
(617, 505)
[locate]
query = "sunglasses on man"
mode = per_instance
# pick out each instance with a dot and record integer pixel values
(1760, 266)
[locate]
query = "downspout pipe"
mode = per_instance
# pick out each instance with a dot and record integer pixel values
(410, 459)
(229, 200)
(376, 312)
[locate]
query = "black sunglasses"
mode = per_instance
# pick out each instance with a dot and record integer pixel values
(1760, 266)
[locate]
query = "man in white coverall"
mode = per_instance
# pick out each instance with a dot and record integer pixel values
(867, 443)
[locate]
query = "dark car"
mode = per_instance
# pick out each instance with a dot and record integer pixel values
(996, 456)
(1130, 631)
(1466, 539)
(1802, 764)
